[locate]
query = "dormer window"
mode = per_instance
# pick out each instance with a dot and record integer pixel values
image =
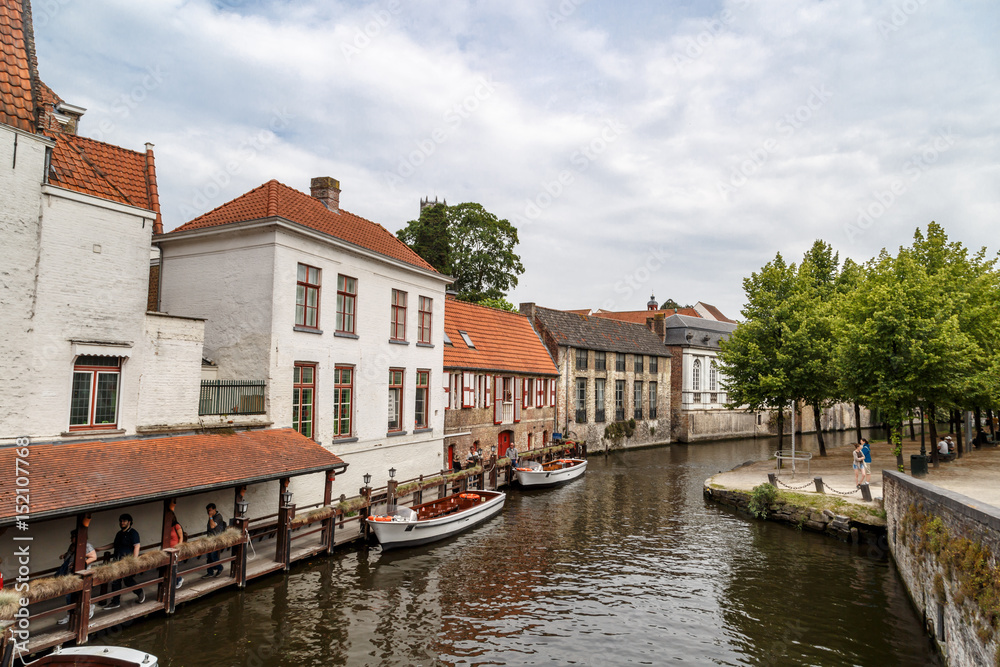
(447, 340)
(468, 341)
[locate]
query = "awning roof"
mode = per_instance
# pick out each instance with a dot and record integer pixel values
(68, 478)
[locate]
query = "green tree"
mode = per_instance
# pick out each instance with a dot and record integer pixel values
(429, 237)
(471, 244)
(900, 340)
(752, 358)
(499, 304)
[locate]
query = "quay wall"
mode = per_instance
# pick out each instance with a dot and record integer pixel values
(945, 546)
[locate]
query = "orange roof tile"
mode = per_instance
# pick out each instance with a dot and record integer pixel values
(640, 316)
(18, 101)
(100, 169)
(67, 478)
(503, 341)
(274, 199)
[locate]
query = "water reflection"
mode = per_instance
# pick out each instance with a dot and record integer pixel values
(627, 565)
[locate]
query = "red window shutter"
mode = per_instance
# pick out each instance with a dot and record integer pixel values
(487, 391)
(540, 392)
(524, 392)
(468, 391)
(518, 399)
(447, 389)
(552, 393)
(497, 401)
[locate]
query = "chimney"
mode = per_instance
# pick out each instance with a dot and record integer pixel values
(527, 309)
(327, 190)
(152, 190)
(68, 116)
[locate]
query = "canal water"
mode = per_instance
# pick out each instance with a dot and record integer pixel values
(626, 566)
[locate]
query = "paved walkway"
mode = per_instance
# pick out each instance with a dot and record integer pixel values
(976, 474)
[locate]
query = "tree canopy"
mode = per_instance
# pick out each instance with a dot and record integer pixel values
(469, 243)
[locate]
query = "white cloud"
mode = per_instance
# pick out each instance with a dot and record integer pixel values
(701, 95)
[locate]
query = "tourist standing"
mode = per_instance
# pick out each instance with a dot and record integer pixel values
(126, 544)
(216, 524)
(867, 451)
(175, 539)
(858, 463)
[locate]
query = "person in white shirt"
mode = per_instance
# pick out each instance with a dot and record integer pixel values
(943, 447)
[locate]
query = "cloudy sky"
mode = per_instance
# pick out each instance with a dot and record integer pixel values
(638, 147)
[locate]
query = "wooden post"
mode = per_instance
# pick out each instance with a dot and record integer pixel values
(390, 493)
(493, 472)
(80, 554)
(418, 495)
(168, 582)
(240, 564)
(330, 527)
(83, 606)
(328, 489)
(366, 493)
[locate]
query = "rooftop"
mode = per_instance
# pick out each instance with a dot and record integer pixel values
(503, 341)
(276, 200)
(598, 333)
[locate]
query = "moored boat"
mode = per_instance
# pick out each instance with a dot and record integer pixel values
(532, 474)
(437, 519)
(97, 656)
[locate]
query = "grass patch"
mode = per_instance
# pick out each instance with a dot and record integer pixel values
(865, 513)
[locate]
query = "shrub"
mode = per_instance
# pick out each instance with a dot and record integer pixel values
(761, 498)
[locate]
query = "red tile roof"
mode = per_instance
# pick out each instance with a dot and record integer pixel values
(274, 199)
(640, 316)
(17, 69)
(102, 170)
(68, 478)
(503, 341)
(716, 313)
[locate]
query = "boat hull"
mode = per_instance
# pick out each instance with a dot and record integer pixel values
(535, 479)
(396, 535)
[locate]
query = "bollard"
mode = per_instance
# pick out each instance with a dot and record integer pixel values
(772, 479)
(819, 484)
(866, 492)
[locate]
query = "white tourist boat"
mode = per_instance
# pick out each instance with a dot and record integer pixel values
(532, 474)
(436, 520)
(97, 656)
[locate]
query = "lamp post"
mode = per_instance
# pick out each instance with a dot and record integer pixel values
(367, 478)
(392, 473)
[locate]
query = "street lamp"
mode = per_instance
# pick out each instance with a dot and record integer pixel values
(286, 497)
(367, 478)
(241, 508)
(392, 473)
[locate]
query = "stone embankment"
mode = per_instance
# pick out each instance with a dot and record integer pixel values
(806, 513)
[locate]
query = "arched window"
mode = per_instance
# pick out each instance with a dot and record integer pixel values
(713, 377)
(696, 376)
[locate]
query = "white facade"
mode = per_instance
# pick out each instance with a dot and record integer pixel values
(703, 386)
(242, 277)
(75, 271)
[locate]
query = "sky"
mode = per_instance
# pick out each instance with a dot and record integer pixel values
(666, 148)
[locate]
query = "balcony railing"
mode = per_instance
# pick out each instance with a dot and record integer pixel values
(581, 416)
(620, 414)
(704, 399)
(231, 397)
(507, 413)
(599, 415)
(652, 412)
(638, 413)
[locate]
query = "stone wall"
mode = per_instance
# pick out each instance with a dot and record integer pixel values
(945, 546)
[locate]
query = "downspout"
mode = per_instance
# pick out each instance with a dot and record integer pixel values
(154, 200)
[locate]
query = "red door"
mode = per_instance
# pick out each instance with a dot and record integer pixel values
(503, 442)
(451, 457)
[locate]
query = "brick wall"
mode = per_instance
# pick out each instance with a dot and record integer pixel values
(914, 507)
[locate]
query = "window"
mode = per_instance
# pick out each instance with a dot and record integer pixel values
(652, 400)
(619, 400)
(343, 396)
(552, 393)
(696, 375)
(620, 362)
(466, 339)
(347, 293)
(421, 399)
(398, 328)
(540, 391)
(599, 400)
(94, 403)
(581, 360)
(395, 399)
(638, 363)
(307, 297)
(713, 377)
(424, 320)
(600, 361)
(637, 399)
(447, 340)
(303, 397)
(529, 392)
(581, 400)
(654, 364)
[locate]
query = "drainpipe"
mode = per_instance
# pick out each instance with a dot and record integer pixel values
(154, 200)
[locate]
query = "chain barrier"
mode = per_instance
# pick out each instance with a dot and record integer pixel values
(827, 487)
(795, 488)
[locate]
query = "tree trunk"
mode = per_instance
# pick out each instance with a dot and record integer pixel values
(958, 434)
(932, 423)
(951, 422)
(898, 428)
(819, 430)
(913, 435)
(857, 419)
(781, 428)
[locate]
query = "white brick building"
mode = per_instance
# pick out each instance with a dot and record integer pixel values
(341, 320)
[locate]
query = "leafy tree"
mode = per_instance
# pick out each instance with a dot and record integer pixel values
(670, 304)
(429, 237)
(900, 340)
(499, 304)
(480, 249)
(752, 357)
